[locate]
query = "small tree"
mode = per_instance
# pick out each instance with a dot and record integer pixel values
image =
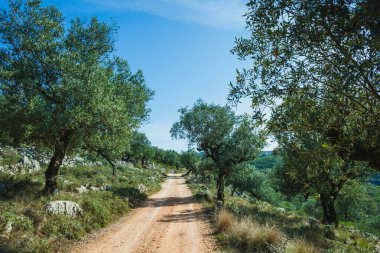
(190, 160)
(224, 137)
(139, 149)
(63, 89)
(246, 178)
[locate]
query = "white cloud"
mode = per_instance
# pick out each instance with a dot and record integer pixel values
(222, 14)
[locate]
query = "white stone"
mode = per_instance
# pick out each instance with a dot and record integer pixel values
(142, 188)
(8, 227)
(69, 208)
(81, 189)
(29, 164)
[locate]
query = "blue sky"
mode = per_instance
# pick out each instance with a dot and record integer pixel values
(182, 47)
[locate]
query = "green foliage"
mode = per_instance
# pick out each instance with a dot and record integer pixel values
(62, 226)
(190, 160)
(245, 178)
(266, 161)
(139, 148)
(96, 212)
(63, 89)
(167, 157)
(34, 231)
(319, 61)
(312, 168)
(17, 223)
(225, 138)
(9, 157)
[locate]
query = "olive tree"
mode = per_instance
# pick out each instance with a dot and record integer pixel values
(190, 160)
(325, 50)
(312, 167)
(62, 88)
(225, 138)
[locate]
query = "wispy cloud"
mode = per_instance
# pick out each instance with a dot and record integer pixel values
(222, 14)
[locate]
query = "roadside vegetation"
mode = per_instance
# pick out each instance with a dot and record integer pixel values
(277, 223)
(25, 222)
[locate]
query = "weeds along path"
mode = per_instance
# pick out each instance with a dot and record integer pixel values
(170, 221)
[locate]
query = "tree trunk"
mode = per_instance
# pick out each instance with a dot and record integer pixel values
(328, 207)
(220, 183)
(109, 160)
(51, 172)
(186, 174)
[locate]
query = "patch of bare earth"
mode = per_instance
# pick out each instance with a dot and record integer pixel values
(170, 221)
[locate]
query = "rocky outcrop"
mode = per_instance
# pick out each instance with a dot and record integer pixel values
(29, 164)
(69, 208)
(82, 189)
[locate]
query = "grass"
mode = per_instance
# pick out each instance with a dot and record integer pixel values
(224, 221)
(244, 225)
(300, 246)
(23, 206)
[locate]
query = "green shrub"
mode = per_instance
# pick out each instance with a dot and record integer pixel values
(95, 212)
(62, 226)
(18, 223)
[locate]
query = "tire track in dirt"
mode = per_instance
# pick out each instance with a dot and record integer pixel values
(170, 221)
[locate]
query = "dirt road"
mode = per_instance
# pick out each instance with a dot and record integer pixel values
(170, 221)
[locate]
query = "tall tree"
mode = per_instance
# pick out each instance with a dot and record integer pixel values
(321, 49)
(63, 89)
(224, 137)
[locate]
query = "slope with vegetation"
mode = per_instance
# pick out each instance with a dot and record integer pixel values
(27, 222)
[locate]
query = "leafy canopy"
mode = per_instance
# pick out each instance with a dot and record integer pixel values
(63, 88)
(321, 59)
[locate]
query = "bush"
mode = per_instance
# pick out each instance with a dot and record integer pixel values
(17, 223)
(95, 213)
(63, 226)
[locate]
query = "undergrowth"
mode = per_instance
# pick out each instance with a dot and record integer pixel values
(245, 225)
(25, 226)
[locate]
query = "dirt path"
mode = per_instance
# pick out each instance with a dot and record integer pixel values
(170, 221)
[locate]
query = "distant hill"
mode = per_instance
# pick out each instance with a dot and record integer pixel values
(266, 160)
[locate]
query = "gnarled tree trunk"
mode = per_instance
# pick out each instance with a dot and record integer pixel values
(328, 206)
(55, 163)
(220, 186)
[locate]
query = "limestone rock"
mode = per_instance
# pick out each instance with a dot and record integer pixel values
(142, 188)
(29, 164)
(8, 227)
(81, 189)
(69, 208)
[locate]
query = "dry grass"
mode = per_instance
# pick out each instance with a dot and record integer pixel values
(224, 221)
(252, 237)
(300, 246)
